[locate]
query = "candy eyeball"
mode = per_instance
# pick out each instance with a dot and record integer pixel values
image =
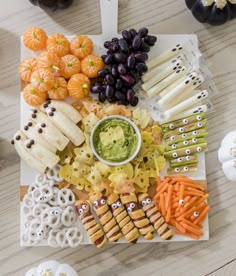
(177, 169)
(114, 206)
(174, 146)
(129, 209)
(95, 203)
(196, 214)
(181, 202)
(171, 126)
(81, 211)
(188, 158)
(185, 121)
(56, 212)
(184, 135)
(194, 140)
(180, 159)
(51, 212)
(188, 151)
(185, 168)
(199, 149)
(144, 203)
(194, 132)
(118, 203)
(172, 138)
(185, 143)
(148, 201)
(132, 205)
(199, 118)
(181, 129)
(175, 154)
(84, 206)
(199, 124)
(103, 201)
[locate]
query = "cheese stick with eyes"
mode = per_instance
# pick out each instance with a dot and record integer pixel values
(184, 169)
(93, 229)
(155, 216)
(124, 221)
(137, 215)
(183, 161)
(105, 216)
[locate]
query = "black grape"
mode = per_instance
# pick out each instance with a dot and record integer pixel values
(102, 97)
(120, 57)
(122, 69)
(109, 79)
(136, 42)
(131, 61)
(134, 102)
(102, 73)
(109, 92)
(141, 56)
(143, 32)
(119, 95)
(141, 67)
(119, 84)
(123, 45)
(150, 40)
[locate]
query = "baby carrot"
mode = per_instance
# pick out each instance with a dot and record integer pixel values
(162, 205)
(192, 229)
(181, 192)
(202, 215)
(168, 214)
(197, 186)
(162, 184)
(189, 234)
(169, 195)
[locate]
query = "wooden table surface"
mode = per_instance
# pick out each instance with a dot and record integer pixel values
(218, 45)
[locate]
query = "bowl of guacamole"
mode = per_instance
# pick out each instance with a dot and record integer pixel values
(115, 140)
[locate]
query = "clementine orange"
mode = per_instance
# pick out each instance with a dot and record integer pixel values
(79, 86)
(58, 44)
(35, 39)
(69, 65)
(42, 79)
(49, 61)
(26, 67)
(81, 46)
(33, 96)
(59, 90)
(91, 65)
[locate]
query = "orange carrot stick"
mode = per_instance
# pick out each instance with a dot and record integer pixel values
(162, 184)
(192, 229)
(197, 186)
(169, 195)
(187, 234)
(162, 205)
(181, 192)
(168, 215)
(180, 227)
(202, 215)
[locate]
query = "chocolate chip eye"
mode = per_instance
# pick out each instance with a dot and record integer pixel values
(34, 116)
(29, 124)
(28, 146)
(51, 114)
(18, 137)
(43, 125)
(26, 127)
(53, 109)
(31, 142)
(40, 130)
(35, 111)
(12, 142)
(45, 105)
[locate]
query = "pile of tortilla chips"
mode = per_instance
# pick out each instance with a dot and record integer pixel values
(80, 167)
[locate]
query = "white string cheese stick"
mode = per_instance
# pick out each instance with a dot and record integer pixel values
(45, 156)
(193, 80)
(163, 74)
(178, 49)
(27, 157)
(63, 107)
(167, 81)
(157, 70)
(172, 86)
(189, 112)
(31, 132)
(66, 126)
(49, 131)
(185, 104)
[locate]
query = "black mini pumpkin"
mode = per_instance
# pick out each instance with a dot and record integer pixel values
(214, 12)
(52, 5)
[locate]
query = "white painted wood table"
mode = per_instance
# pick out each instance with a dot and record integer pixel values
(218, 44)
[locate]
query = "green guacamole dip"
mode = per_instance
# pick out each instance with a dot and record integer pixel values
(115, 140)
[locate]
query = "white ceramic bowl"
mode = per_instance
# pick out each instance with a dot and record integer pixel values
(139, 141)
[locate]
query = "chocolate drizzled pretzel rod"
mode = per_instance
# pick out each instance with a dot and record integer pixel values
(94, 229)
(137, 215)
(105, 216)
(124, 221)
(155, 216)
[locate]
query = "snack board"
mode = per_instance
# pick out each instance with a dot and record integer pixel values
(164, 42)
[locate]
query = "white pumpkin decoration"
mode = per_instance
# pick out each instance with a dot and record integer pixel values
(227, 155)
(52, 268)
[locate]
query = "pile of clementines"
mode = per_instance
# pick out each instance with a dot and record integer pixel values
(61, 68)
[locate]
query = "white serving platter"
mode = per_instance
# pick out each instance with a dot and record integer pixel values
(109, 15)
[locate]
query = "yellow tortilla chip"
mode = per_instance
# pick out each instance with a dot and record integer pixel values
(84, 154)
(80, 169)
(89, 122)
(141, 179)
(126, 169)
(147, 139)
(94, 176)
(141, 117)
(160, 160)
(102, 168)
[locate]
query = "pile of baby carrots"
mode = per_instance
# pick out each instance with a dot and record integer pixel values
(182, 202)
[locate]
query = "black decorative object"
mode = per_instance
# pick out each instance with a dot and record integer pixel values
(214, 12)
(52, 5)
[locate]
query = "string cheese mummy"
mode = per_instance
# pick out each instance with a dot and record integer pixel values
(172, 85)
(170, 126)
(195, 110)
(191, 82)
(47, 157)
(185, 104)
(184, 169)
(162, 74)
(66, 126)
(155, 216)
(185, 151)
(186, 128)
(170, 53)
(48, 131)
(167, 81)
(105, 216)
(93, 229)
(186, 136)
(30, 160)
(126, 225)
(137, 215)
(157, 70)
(31, 132)
(63, 107)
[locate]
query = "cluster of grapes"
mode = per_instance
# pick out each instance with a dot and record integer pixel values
(125, 63)
(52, 5)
